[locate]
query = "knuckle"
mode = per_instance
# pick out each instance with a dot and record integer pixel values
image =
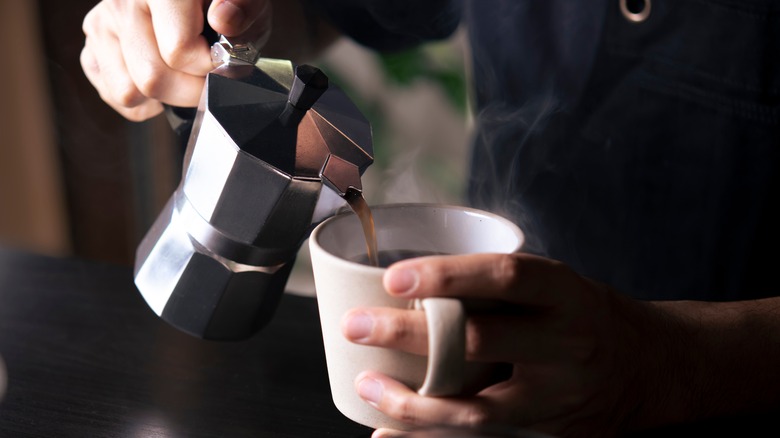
(174, 52)
(476, 340)
(113, 12)
(88, 62)
(127, 96)
(116, 7)
(403, 409)
(507, 270)
(134, 114)
(439, 276)
(88, 25)
(151, 81)
(141, 112)
(474, 416)
(399, 330)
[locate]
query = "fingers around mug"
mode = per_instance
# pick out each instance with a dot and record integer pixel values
(517, 278)
(178, 28)
(525, 338)
(489, 338)
(446, 322)
(507, 402)
(402, 403)
(387, 327)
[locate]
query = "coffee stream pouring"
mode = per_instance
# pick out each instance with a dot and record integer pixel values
(273, 151)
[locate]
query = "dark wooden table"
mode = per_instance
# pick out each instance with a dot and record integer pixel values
(87, 358)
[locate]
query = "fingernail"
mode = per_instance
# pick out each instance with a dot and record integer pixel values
(370, 390)
(358, 326)
(230, 15)
(401, 281)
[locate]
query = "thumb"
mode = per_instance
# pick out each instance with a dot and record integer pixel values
(244, 20)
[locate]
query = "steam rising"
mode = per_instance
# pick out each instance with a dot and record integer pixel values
(403, 182)
(496, 184)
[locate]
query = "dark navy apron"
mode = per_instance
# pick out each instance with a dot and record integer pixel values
(640, 146)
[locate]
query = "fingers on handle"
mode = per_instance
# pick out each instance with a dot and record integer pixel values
(178, 28)
(102, 61)
(122, 61)
(150, 74)
(393, 328)
(111, 80)
(488, 338)
(248, 20)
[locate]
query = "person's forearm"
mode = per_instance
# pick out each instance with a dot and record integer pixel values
(719, 359)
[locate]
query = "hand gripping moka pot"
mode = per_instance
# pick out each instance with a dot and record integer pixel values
(273, 150)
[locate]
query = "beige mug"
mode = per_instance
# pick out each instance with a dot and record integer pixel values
(341, 283)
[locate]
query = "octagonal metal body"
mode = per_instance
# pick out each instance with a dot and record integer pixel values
(255, 182)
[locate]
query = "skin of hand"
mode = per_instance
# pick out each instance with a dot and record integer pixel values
(139, 54)
(587, 361)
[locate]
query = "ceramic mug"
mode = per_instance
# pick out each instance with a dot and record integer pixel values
(341, 283)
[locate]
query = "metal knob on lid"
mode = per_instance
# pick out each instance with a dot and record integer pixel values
(258, 175)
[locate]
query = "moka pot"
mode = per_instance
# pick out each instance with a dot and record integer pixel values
(273, 150)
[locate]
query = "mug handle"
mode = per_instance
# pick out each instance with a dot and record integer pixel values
(446, 320)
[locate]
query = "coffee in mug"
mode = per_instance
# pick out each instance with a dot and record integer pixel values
(388, 257)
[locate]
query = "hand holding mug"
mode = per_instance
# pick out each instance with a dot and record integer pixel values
(574, 345)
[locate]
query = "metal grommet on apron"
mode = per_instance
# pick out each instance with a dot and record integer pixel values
(635, 11)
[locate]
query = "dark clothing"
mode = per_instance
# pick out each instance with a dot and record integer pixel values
(644, 155)
(391, 25)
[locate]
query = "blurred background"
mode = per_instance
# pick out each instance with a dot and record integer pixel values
(76, 179)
